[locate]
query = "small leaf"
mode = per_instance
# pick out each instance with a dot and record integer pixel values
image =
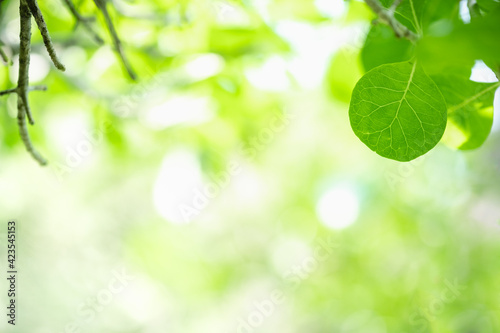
(470, 110)
(398, 111)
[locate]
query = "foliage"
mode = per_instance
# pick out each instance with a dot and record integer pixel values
(398, 111)
(404, 123)
(427, 34)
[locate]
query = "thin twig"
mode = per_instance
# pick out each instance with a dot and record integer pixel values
(85, 21)
(23, 131)
(23, 81)
(8, 91)
(387, 16)
(14, 90)
(37, 15)
(101, 4)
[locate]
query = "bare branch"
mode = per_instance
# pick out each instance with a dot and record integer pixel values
(101, 4)
(37, 15)
(23, 81)
(24, 58)
(14, 90)
(8, 91)
(23, 131)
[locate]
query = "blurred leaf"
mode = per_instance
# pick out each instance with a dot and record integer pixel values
(238, 41)
(383, 47)
(418, 15)
(409, 12)
(470, 110)
(398, 111)
(443, 10)
(456, 45)
(488, 5)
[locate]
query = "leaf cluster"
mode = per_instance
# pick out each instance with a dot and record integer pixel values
(417, 92)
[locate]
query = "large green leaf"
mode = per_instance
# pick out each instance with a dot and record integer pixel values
(383, 47)
(470, 110)
(398, 111)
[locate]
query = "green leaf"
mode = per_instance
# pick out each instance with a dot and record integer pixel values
(470, 110)
(443, 11)
(398, 111)
(409, 12)
(460, 45)
(418, 15)
(383, 47)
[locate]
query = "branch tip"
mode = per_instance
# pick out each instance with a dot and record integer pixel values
(42, 26)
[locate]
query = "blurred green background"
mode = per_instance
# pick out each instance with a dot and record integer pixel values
(225, 191)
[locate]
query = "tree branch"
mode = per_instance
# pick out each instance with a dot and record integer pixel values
(37, 15)
(387, 16)
(22, 89)
(23, 131)
(14, 90)
(101, 4)
(85, 21)
(24, 59)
